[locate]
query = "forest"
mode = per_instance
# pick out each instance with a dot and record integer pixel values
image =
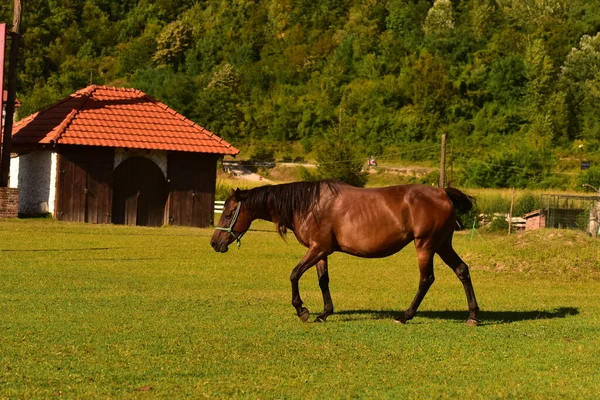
(514, 84)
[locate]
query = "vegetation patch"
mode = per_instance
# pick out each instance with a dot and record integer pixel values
(102, 311)
(564, 254)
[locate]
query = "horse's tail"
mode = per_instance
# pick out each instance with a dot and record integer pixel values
(462, 202)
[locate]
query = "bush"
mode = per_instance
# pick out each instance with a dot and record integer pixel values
(222, 191)
(432, 178)
(263, 154)
(526, 204)
(337, 159)
(498, 224)
(591, 177)
(511, 168)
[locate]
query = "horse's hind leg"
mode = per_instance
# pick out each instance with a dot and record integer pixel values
(425, 256)
(323, 274)
(312, 256)
(449, 256)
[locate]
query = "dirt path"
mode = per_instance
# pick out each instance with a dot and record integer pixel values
(239, 171)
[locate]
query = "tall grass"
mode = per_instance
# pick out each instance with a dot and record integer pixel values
(91, 311)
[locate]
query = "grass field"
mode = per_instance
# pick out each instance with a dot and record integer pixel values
(91, 311)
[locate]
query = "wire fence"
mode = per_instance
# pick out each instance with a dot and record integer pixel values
(564, 211)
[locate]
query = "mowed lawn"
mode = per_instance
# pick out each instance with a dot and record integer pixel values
(91, 311)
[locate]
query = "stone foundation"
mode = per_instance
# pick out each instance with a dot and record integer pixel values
(9, 202)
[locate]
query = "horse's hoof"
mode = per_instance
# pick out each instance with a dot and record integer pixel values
(320, 319)
(304, 314)
(472, 322)
(403, 319)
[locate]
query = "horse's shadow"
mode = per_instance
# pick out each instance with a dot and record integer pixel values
(485, 317)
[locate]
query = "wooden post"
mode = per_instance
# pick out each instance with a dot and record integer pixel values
(12, 94)
(512, 204)
(451, 174)
(2, 47)
(443, 162)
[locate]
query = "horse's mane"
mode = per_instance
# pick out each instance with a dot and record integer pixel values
(285, 201)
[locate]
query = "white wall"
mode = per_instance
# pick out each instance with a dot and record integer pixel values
(35, 176)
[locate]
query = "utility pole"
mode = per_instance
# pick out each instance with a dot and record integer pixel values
(443, 162)
(12, 93)
(2, 47)
(510, 213)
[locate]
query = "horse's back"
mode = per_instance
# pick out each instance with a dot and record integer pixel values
(380, 221)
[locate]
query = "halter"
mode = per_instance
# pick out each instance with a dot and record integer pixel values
(238, 238)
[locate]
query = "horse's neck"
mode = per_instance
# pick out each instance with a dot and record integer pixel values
(261, 213)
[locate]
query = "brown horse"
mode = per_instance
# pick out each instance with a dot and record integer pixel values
(330, 216)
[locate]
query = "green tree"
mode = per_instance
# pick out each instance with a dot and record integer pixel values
(337, 158)
(440, 19)
(580, 76)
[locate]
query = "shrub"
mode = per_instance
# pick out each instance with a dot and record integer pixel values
(591, 177)
(525, 204)
(510, 168)
(337, 159)
(498, 224)
(222, 191)
(263, 154)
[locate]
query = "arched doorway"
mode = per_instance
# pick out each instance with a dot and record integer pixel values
(139, 193)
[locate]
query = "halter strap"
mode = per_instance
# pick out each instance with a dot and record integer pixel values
(238, 238)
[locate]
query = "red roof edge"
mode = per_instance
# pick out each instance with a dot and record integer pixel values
(85, 95)
(63, 125)
(85, 91)
(190, 122)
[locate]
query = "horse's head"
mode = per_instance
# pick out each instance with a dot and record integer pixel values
(234, 222)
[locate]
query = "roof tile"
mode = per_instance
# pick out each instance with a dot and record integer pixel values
(117, 117)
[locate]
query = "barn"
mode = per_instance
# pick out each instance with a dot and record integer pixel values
(116, 155)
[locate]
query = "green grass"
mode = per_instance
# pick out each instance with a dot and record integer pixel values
(119, 312)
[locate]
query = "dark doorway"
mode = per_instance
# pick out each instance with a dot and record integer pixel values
(139, 193)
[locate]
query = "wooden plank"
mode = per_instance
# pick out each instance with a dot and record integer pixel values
(79, 195)
(99, 167)
(153, 194)
(104, 189)
(62, 189)
(192, 179)
(132, 192)
(180, 190)
(84, 192)
(2, 47)
(91, 200)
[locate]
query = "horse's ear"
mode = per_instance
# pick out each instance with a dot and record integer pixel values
(240, 195)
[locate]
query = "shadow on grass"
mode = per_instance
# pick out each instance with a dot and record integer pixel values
(485, 317)
(60, 250)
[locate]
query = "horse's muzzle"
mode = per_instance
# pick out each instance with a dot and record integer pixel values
(220, 249)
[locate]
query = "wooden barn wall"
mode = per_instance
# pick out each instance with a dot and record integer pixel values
(192, 178)
(85, 184)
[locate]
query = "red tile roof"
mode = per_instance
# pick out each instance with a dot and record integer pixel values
(117, 117)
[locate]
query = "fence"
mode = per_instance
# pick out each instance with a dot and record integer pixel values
(219, 204)
(571, 212)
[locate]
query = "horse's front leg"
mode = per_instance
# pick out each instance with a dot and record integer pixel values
(323, 274)
(312, 256)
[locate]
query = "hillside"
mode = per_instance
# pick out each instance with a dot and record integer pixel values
(514, 83)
